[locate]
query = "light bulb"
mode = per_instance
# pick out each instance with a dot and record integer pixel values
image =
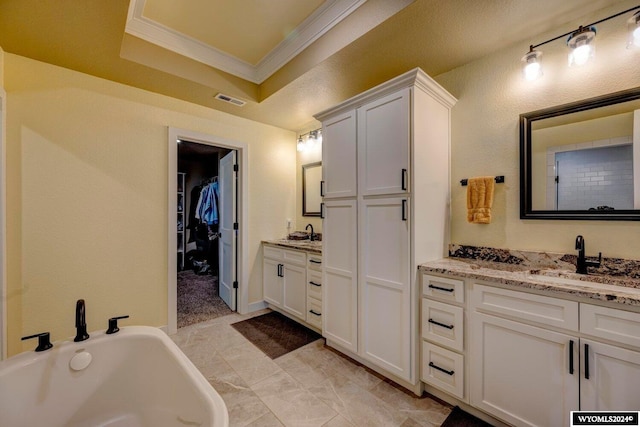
(532, 67)
(581, 54)
(301, 145)
(582, 47)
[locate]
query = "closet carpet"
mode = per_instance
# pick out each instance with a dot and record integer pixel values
(198, 299)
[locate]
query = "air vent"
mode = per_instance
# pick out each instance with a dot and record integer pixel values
(230, 99)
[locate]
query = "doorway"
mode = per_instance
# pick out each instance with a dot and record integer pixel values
(205, 213)
(211, 237)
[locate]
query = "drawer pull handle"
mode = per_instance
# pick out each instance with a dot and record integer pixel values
(280, 270)
(440, 324)
(404, 180)
(315, 284)
(441, 289)
(571, 357)
(441, 369)
(586, 361)
(314, 312)
(315, 261)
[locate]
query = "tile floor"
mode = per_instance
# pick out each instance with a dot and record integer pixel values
(311, 386)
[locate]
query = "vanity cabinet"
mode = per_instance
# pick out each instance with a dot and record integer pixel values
(371, 244)
(442, 330)
(534, 358)
(314, 290)
(610, 373)
(284, 280)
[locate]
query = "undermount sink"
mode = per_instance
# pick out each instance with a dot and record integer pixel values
(560, 280)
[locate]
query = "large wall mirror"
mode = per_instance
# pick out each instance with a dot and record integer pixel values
(311, 199)
(582, 160)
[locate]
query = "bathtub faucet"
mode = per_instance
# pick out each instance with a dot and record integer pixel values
(81, 322)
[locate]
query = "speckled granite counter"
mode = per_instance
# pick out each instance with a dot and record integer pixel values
(561, 282)
(301, 245)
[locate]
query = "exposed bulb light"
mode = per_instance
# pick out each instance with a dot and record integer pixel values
(532, 67)
(309, 140)
(634, 31)
(582, 47)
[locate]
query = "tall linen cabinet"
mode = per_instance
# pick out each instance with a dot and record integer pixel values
(385, 187)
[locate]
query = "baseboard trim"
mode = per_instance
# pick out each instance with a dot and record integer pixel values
(255, 306)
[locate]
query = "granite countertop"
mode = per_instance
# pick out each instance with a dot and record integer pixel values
(314, 247)
(561, 282)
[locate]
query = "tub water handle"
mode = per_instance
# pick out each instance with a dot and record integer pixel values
(44, 341)
(113, 324)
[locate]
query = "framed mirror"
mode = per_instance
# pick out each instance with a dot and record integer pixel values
(582, 160)
(311, 199)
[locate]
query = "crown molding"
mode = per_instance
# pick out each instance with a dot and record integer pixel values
(317, 24)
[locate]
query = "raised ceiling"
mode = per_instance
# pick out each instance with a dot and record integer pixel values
(250, 39)
(375, 41)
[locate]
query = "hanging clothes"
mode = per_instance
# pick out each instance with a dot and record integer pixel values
(207, 208)
(193, 209)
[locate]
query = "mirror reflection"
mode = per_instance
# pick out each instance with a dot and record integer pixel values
(578, 159)
(311, 199)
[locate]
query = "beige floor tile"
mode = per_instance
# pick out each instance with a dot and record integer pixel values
(424, 410)
(311, 386)
(338, 421)
(356, 404)
(267, 420)
(291, 403)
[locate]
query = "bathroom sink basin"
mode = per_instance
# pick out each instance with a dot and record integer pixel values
(572, 282)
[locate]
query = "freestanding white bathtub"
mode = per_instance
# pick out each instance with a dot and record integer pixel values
(136, 377)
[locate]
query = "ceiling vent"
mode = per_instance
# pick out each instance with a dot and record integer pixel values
(230, 99)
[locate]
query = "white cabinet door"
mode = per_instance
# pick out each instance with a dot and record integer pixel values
(521, 373)
(294, 278)
(383, 145)
(339, 156)
(340, 273)
(613, 382)
(272, 285)
(386, 311)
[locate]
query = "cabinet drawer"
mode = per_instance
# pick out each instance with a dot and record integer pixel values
(609, 323)
(443, 369)
(314, 284)
(443, 324)
(443, 288)
(314, 313)
(290, 256)
(314, 262)
(526, 307)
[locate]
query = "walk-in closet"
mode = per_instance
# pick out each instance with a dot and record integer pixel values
(198, 248)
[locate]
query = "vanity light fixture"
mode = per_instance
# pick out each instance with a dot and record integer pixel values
(582, 46)
(532, 67)
(634, 31)
(309, 140)
(581, 43)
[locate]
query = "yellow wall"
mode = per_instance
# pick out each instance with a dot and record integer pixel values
(304, 157)
(87, 196)
(485, 140)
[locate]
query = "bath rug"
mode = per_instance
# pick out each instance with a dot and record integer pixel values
(275, 334)
(460, 418)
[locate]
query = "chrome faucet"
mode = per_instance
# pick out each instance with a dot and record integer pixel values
(313, 235)
(81, 322)
(582, 263)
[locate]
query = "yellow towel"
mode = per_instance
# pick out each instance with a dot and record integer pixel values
(480, 199)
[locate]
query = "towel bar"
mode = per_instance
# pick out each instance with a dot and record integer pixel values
(499, 180)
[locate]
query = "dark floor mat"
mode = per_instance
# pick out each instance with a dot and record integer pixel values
(275, 334)
(459, 418)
